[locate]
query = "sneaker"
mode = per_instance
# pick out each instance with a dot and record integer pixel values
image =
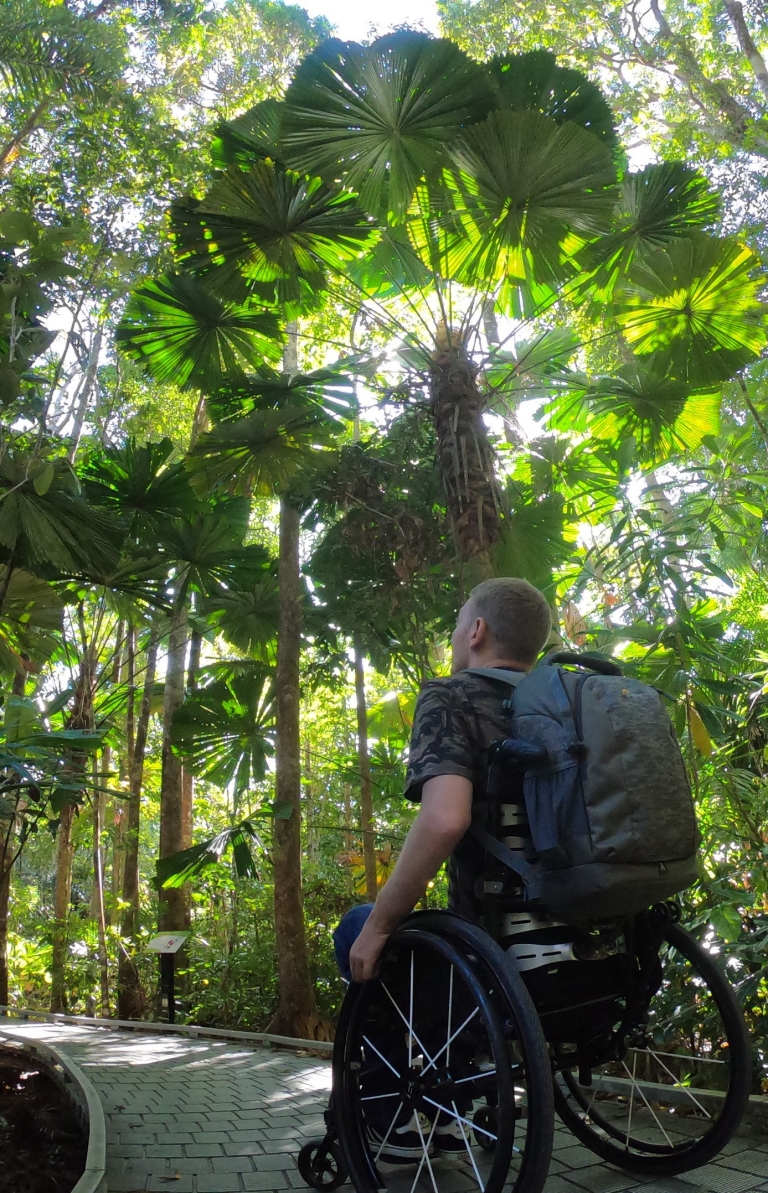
(404, 1145)
(449, 1140)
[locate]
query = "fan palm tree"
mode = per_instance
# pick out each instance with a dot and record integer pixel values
(461, 191)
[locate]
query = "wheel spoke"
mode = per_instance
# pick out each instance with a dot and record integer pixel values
(381, 1057)
(378, 1097)
(425, 1156)
(653, 1112)
(469, 1149)
(475, 1077)
(385, 1140)
(459, 1119)
(678, 1084)
(409, 1025)
(448, 1042)
(696, 1060)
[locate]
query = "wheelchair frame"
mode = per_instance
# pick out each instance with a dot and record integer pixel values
(545, 1065)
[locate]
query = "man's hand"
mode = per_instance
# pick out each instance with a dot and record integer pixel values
(365, 952)
(443, 819)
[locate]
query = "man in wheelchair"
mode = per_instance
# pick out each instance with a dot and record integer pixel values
(504, 624)
(560, 977)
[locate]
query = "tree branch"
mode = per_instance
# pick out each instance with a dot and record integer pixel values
(735, 12)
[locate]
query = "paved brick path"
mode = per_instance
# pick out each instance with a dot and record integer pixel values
(203, 1116)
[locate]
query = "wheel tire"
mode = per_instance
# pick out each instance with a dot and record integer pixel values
(701, 1151)
(522, 1030)
(485, 1117)
(322, 1165)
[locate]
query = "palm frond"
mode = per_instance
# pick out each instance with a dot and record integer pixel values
(181, 332)
(379, 116)
(535, 81)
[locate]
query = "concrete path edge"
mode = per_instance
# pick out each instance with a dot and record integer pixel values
(187, 1029)
(87, 1103)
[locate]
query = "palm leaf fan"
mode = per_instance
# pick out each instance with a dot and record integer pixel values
(225, 732)
(268, 225)
(657, 205)
(325, 390)
(258, 454)
(180, 332)
(47, 526)
(380, 116)
(207, 551)
(533, 541)
(658, 412)
(140, 482)
(247, 618)
(693, 310)
(532, 370)
(535, 81)
(249, 138)
(528, 192)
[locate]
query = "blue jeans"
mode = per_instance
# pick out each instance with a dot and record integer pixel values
(347, 933)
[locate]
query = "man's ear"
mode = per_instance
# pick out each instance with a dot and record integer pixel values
(478, 634)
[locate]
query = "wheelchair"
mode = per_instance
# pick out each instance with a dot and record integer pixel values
(627, 1029)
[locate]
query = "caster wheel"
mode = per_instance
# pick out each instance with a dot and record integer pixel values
(322, 1165)
(485, 1119)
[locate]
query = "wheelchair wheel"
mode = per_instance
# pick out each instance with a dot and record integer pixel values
(321, 1164)
(674, 1091)
(419, 1051)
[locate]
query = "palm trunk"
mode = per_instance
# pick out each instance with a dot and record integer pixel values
(61, 897)
(81, 718)
(296, 994)
(172, 910)
(465, 459)
(364, 766)
(5, 897)
(101, 779)
(130, 1001)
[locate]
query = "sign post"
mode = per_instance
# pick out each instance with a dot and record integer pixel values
(167, 944)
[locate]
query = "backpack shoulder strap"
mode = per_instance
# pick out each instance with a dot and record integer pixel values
(510, 678)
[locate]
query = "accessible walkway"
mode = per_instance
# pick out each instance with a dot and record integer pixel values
(208, 1116)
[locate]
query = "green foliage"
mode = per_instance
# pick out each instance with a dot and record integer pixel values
(183, 333)
(224, 731)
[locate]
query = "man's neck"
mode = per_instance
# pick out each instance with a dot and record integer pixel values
(495, 661)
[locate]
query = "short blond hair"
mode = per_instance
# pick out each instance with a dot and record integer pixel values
(517, 615)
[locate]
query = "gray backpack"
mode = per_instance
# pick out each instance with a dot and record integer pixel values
(606, 792)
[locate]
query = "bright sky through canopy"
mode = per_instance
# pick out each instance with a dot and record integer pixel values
(355, 21)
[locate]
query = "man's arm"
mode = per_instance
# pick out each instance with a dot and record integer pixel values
(443, 819)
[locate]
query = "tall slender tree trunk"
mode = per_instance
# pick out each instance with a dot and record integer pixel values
(364, 766)
(296, 994)
(465, 458)
(81, 717)
(172, 912)
(61, 898)
(6, 860)
(86, 389)
(6, 854)
(130, 1000)
(98, 806)
(296, 1001)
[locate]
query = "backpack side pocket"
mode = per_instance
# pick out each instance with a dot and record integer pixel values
(554, 800)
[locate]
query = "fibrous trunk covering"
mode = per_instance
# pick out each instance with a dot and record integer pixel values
(297, 999)
(172, 902)
(465, 458)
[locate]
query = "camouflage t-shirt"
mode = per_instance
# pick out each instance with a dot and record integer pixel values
(455, 722)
